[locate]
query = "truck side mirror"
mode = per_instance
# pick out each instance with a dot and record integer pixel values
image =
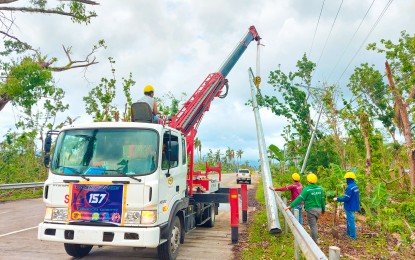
(47, 147)
(48, 143)
(46, 159)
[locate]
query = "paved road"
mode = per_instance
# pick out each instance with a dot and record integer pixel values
(18, 236)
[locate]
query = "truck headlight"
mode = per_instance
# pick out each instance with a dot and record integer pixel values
(132, 217)
(135, 217)
(56, 214)
(148, 216)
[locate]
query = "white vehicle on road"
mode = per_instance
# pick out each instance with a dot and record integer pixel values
(243, 175)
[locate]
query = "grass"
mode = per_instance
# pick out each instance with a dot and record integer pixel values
(17, 194)
(260, 244)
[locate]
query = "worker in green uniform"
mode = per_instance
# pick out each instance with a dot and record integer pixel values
(314, 203)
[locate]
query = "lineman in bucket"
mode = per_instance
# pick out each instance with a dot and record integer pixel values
(149, 99)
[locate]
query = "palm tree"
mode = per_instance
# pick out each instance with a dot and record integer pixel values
(198, 147)
(210, 156)
(230, 154)
(246, 165)
(217, 156)
(239, 155)
(225, 160)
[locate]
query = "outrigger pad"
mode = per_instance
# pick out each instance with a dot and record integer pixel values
(141, 112)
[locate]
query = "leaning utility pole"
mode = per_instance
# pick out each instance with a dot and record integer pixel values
(274, 226)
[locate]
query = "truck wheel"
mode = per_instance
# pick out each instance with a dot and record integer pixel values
(170, 249)
(77, 250)
(211, 221)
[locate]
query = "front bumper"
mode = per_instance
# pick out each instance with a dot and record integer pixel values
(100, 235)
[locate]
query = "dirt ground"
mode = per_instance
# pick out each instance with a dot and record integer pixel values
(370, 244)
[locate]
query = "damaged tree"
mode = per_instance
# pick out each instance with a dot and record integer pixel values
(26, 73)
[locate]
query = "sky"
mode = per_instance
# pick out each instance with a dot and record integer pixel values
(174, 45)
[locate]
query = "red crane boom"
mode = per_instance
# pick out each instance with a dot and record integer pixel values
(188, 118)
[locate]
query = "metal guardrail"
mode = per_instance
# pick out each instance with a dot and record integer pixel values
(308, 247)
(21, 185)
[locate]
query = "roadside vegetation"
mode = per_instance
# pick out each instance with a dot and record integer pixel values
(18, 194)
(374, 240)
(257, 242)
(369, 130)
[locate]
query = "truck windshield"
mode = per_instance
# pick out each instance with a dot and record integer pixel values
(106, 152)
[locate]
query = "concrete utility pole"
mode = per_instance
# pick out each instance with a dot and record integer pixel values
(311, 140)
(274, 226)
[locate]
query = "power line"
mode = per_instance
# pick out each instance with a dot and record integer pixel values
(367, 36)
(328, 36)
(315, 31)
(350, 41)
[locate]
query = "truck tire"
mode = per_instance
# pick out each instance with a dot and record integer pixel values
(211, 222)
(77, 250)
(170, 249)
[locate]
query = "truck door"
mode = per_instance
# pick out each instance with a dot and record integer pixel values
(173, 172)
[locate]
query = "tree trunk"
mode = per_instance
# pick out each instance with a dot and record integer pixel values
(366, 129)
(338, 141)
(4, 99)
(368, 154)
(406, 125)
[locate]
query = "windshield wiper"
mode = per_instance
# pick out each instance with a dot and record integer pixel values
(122, 173)
(74, 172)
(134, 178)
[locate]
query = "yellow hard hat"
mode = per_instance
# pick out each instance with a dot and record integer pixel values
(350, 175)
(295, 176)
(312, 178)
(148, 88)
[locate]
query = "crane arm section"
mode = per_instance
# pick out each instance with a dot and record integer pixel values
(188, 118)
(251, 35)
